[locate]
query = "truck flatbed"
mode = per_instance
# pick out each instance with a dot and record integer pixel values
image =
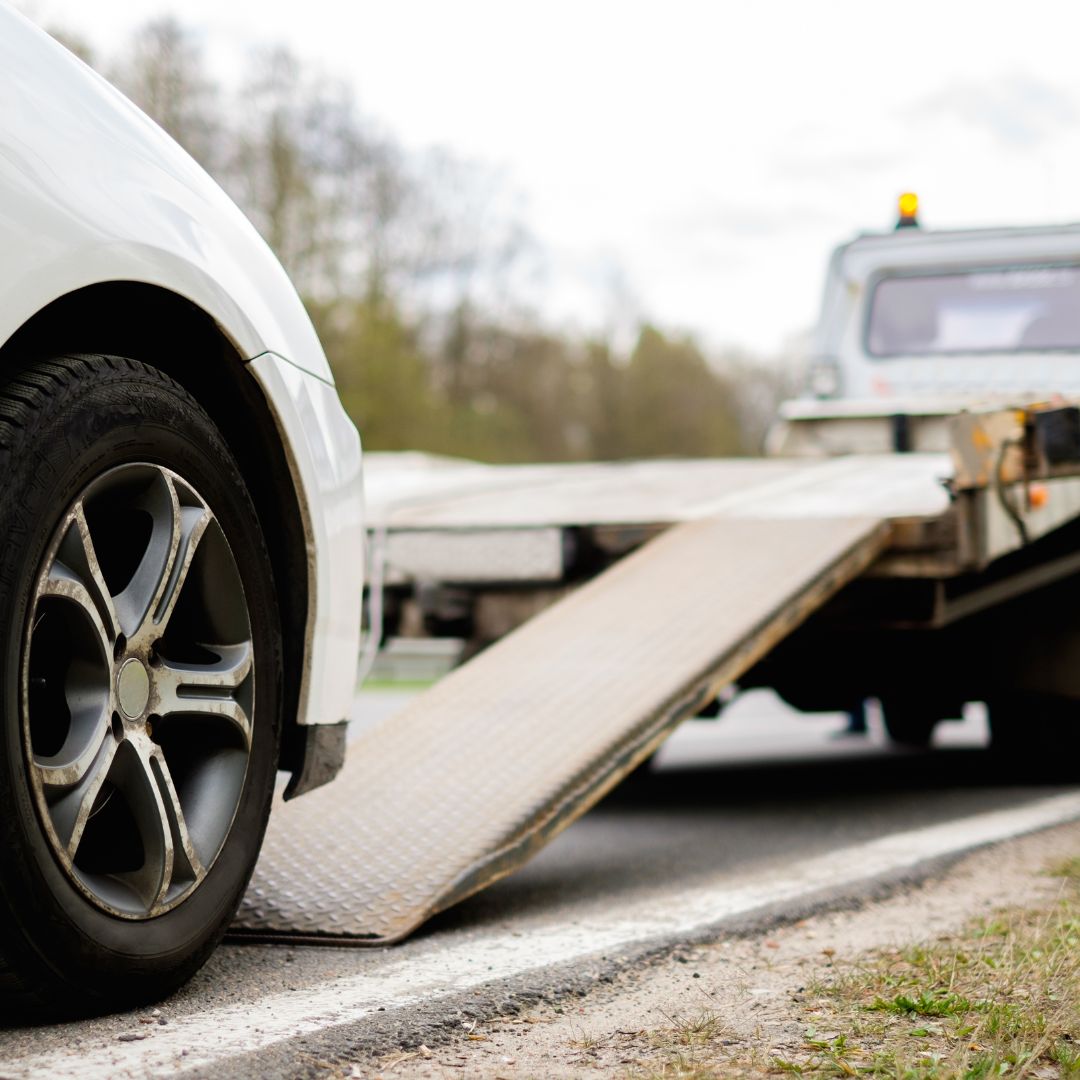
(421, 492)
(455, 521)
(732, 557)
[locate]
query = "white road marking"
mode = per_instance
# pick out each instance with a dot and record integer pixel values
(207, 1039)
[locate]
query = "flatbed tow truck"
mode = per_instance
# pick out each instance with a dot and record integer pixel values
(912, 536)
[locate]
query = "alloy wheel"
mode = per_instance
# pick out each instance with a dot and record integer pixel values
(138, 690)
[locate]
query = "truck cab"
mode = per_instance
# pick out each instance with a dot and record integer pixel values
(919, 324)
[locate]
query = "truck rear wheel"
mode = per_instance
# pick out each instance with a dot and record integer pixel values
(909, 721)
(1036, 736)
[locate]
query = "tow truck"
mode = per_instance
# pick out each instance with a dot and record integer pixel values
(912, 535)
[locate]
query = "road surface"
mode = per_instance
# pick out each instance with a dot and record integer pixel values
(759, 814)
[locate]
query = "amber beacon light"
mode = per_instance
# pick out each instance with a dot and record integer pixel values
(908, 207)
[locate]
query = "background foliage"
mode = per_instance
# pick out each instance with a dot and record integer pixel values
(414, 274)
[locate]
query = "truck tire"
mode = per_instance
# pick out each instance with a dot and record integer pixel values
(909, 721)
(1035, 737)
(140, 684)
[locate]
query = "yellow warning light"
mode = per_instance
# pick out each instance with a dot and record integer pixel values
(1038, 496)
(908, 205)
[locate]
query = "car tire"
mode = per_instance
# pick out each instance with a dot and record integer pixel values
(140, 684)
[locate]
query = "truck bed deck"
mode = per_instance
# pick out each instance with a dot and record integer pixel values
(726, 559)
(456, 521)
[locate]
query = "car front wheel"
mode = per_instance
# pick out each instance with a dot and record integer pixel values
(140, 684)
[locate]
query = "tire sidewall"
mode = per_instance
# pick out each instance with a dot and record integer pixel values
(115, 418)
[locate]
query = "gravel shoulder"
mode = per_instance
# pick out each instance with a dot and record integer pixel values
(733, 1006)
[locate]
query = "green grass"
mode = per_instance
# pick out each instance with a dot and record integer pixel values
(1001, 998)
(1069, 869)
(927, 1003)
(397, 684)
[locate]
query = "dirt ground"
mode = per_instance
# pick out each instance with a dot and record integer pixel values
(734, 1006)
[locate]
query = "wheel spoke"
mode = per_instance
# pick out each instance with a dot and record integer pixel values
(139, 781)
(77, 560)
(151, 880)
(207, 689)
(191, 528)
(64, 583)
(68, 767)
(186, 861)
(83, 780)
(148, 600)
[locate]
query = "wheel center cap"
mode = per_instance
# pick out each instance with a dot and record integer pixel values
(133, 688)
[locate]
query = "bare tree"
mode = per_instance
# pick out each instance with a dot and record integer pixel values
(165, 74)
(73, 43)
(407, 263)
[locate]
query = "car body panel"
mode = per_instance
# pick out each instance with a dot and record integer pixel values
(92, 191)
(141, 210)
(326, 457)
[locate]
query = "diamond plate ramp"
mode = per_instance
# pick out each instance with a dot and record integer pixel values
(478, 773)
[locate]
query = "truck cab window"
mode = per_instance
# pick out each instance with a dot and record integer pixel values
(999, 310)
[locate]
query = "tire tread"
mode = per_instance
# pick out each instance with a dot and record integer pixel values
(27, 392)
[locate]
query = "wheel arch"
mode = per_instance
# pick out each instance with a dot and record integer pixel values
(126, 318)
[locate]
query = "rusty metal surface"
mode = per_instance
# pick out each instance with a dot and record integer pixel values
(490, 763)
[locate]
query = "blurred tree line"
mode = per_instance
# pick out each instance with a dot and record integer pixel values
(406, 263)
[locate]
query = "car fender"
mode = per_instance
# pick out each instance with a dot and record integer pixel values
(92, 191)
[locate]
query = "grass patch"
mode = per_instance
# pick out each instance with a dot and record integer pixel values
(1001, 999)
(397, 684)
(585, 1040)
(691, 1032)
(1069, 869)
(687, 1047)
(925, 1004)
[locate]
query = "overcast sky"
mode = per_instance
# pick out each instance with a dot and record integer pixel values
(700, 158)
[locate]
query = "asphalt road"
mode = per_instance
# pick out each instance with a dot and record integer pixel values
(742, 799)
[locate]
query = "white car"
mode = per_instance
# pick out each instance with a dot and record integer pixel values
(180, 543)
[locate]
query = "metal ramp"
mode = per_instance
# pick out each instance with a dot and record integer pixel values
(488, 765)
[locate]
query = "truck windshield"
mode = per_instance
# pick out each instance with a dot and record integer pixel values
(999, 310)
